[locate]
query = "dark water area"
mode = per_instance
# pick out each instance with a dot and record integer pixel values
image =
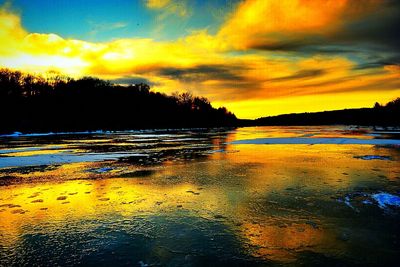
(252, 196)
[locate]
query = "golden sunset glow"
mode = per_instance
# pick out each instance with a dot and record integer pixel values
(264, 58)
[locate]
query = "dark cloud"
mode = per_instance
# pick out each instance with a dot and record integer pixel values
(230, 84)
(302, 74)
(132, 80)
(309, 45)
(329, 49)
(203, 73)
(286, 45)
(235, 90)
(379, 60)
(375, 32)
(381, 27)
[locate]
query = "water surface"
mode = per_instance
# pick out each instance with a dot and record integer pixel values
(200, 197)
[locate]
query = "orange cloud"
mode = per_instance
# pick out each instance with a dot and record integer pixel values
(267, 22)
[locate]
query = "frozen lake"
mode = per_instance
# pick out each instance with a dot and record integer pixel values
(253, 196)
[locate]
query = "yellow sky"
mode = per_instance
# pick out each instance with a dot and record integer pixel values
(268, 57)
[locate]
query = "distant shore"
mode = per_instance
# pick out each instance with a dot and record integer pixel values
(379, 116)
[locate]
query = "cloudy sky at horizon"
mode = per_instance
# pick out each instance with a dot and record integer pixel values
(256, 57)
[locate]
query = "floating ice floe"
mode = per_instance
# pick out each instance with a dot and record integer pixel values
(373, 157)
(220, 151)
(19, 134)
(386, 132)
(349, 198)
(386, 199)
(144, 133)
(49, 159)
(374, 134)
(100, 170)
(348, 203)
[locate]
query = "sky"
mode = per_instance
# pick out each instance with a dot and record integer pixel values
(255, 57)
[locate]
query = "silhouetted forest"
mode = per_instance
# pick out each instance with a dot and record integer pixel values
(379, 115)
(31, 103)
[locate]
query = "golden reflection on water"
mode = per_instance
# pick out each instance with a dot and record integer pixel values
(319, 166)
(277, 242)
(26, 204)
(58, 203)
(299, 131)
(221, 188)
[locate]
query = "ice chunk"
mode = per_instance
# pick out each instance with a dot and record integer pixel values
(371, 157)
(386, 199)
(101, 170)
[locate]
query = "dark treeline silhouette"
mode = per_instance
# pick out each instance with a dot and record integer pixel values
(31, 103)
(382, 115)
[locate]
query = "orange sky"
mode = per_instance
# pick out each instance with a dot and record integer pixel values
(264, 57)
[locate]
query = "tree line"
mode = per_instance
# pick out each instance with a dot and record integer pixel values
(32, 103)
(379, 115)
